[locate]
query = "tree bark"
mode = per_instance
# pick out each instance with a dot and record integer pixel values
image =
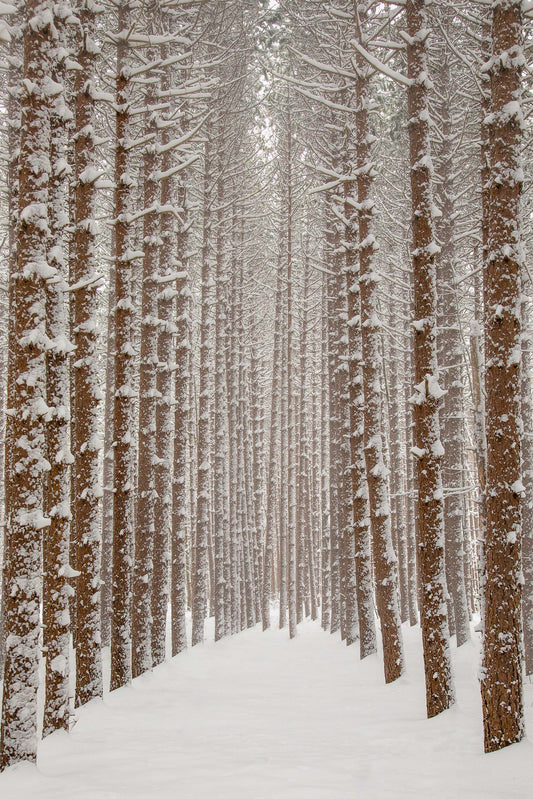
(428, 449)
(501, 683)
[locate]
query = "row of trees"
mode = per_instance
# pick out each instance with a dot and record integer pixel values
(265, 334)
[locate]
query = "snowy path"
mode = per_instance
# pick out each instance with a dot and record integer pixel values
(260, 717)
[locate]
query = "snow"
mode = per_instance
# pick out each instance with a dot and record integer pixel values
(260, 717)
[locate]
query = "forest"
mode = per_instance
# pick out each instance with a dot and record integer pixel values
(266, 353)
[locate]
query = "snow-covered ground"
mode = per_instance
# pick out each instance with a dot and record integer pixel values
(262, 717)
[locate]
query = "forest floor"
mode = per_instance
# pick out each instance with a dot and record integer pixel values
(261, 717)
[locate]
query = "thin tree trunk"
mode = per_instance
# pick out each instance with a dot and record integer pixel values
(428, 449)
(18, 737)
(203, 447)
(86, 428)
(385, 564)
(501, 683)
(273, 466)
(124, 406)
(56, 633)
(148, 397)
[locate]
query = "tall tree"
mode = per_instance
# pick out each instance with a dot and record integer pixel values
(501, 683)
(125, 395)
(27, 399)
(56, 567)
(385, 562)
(428, 449)
(86, 427)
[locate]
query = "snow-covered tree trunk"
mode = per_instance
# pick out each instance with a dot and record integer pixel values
(181, 521)
(450, 357)
(305, 536)
(56, 633)
(86, 428)
(291, 428)
(527, 479)
(258, 461)
(27, 401)
(14, 83)
(124, 399)
(325, 543)
(335, 418)
(283, 473)
(200, 575)
(385, 563)
(501, 683)
(148, 397)
(166, 295)
(233, 412)
(273, 463)
(410, 513)
(220, 496)
(108, 466)
(428, 449)
(397, 482)
(361, 524)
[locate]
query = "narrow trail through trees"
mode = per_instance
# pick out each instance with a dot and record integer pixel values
(264, 717)
(265, 265)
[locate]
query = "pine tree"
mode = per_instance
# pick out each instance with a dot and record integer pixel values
(27, 399)
(501, 683)
(428, 449)
(85, 428)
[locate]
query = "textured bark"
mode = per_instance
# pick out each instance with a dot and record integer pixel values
(325, 543)
(124, 399)
(86, 428)
(56, 633)
(428, 448)
(199, 606)
(527, 480)
(291, 431)
(108, 467)
(501, 683)
(335, 420)
(450, 356)
(148, 396)
(361, 531)
(245, 509)
(397, 483)
(283, 489)
(233, 373)
(14, 77)
(257, 438)
(166, 296)
(221, 510)
(180, 506)
(385, 563)
(304, 527)
(410, 514)
(273, 465)
(18, 738)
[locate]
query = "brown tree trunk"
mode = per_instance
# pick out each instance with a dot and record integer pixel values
(86, 428)
(27, 403)
(428, 449)
(56, 633)
(124, 407)
(385, 563)
(146, 493)
(501, 684)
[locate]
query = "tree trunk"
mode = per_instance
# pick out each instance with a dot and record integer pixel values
(86, 428)
(124, 400)
(56, 633)
(27, 402)
(501, 684)
(428, 449)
